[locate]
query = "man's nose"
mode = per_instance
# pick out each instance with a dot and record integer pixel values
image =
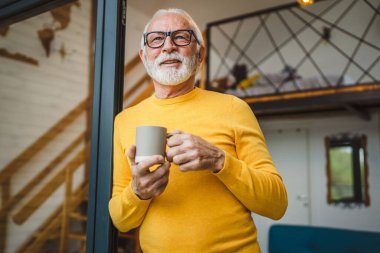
(168, 46)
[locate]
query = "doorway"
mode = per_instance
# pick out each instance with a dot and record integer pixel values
(289, 150)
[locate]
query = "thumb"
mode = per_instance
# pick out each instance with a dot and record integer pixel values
(131, 154)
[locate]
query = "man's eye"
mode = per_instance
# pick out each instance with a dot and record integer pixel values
(157, 39)
(181, 37)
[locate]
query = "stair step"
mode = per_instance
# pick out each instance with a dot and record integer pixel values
(78, 216)
(51, 236)
(77, 236)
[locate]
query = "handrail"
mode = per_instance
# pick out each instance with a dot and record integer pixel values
(43, 173)
(29, 208)
(41, 142)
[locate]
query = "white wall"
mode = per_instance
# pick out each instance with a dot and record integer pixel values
(320, 213)
(363, 218)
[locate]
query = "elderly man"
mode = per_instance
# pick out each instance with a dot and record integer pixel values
(217, 168)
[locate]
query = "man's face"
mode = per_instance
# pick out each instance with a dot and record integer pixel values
(170, 64)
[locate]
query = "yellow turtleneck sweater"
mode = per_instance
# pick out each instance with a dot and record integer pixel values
(199, 212)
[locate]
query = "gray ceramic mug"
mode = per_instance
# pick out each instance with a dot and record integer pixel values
(150, 140)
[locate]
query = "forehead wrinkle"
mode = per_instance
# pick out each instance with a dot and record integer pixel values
(168, 22)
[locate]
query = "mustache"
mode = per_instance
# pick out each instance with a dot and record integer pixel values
(172, 56)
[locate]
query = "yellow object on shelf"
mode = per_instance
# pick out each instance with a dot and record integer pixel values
(247, 82)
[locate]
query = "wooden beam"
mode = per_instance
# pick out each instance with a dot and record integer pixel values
(365, 96)
(5, 194)
(66, 211)
(202, 68)
(77, 236)
(313, 93)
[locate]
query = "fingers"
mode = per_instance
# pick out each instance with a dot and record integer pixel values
(160, 179)
(131, 154)
(152, 184)
(189, 166)
(173, 151)
(185, 157)
(160, 172)
(192, 153)
(175, 138)
(182, 148)
(142, 168)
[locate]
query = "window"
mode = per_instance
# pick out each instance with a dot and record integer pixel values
(347, 169)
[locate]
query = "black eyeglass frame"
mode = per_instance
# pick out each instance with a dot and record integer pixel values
(170, 35)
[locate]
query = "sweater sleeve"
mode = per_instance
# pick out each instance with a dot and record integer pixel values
(252, 176)
(126, 210)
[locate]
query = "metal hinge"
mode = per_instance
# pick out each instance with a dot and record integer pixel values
(124, 12)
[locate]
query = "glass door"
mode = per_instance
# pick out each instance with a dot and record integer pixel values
(46, 73)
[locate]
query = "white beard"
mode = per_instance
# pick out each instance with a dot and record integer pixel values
(171, 76)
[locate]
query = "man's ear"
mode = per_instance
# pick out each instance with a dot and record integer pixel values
(202, 54)
(141, 54)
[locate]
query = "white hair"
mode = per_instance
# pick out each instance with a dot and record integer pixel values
(181, 12)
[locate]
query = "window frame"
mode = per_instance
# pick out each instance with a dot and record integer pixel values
(360, 192)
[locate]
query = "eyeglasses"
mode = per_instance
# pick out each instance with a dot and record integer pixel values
(178, 37)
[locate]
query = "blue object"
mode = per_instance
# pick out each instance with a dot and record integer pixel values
(305, 239)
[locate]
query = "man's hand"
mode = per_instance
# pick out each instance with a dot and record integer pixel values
(147, 184)
(192, 153)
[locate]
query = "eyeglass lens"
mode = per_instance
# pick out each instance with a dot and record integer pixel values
(179, 38)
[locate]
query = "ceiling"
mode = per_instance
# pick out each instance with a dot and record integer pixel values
(205, 11)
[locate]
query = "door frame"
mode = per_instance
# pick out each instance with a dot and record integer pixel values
(12, 11)
(107, 102)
